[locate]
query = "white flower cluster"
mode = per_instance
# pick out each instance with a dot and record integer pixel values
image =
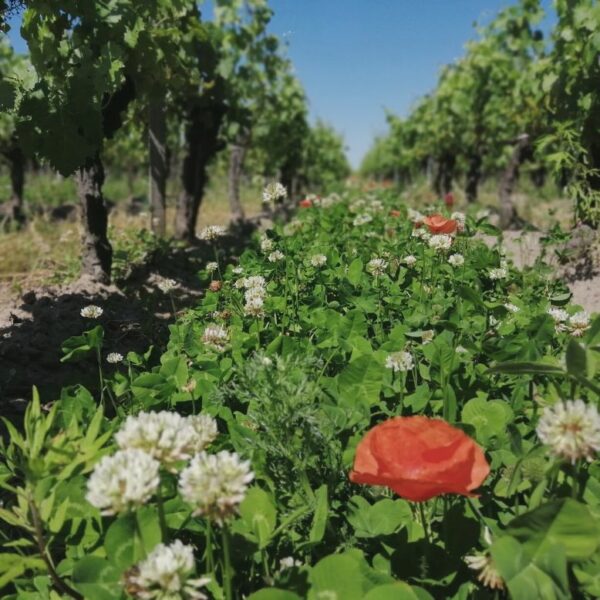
(498, 273)
(274, 192)
(460, 219)
(357, 205)
(399, 361)
(266, 244)
(212, 233)
(215, 336)
(167, 436)
(377, 266)
(576, 324)
(421, 233)
(125, 480)
(167, 573)
(276, 256)
(255, 292)
(362, 219)
(456, 260)
(513, 308)
(440, 242)
(427, 336)
(318, 260)
(410, 260)
(571, 429)
(91, 312)
(415, 216)
(215, 484)
(488, 573)
(166, 285)
(211, 267)
(113, 358)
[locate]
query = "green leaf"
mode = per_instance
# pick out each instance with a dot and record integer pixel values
(576, 359)
(355, 271)
(317, 531)
(97, 579)
(361, 381)
(336, 576)
(259, 514)
(563, 522)
(527, 368)
(273, 594)
(382, 518)
(80, 345)
(397, 591)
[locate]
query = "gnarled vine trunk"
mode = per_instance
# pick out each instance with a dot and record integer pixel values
(473, 177)
(159, 168)
(16, 161)
(96, 251)
(508, 180)
(202, 143)
(236, 166)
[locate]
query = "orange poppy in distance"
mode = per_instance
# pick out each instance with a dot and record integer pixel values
(306, 203)
(419, 458)
(439, 224)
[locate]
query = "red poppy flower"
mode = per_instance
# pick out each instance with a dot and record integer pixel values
(306, 203)
(439, 224)
(395, 213)
(419, 458)
(449, 199)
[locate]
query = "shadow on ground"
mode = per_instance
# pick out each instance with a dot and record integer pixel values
(136, 315)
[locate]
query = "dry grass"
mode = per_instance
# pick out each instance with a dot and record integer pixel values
(45, 252)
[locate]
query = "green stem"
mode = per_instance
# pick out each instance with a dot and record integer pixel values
(424, 522)
(164, 530)
(99, 357)
(210, 565)
(227, 571)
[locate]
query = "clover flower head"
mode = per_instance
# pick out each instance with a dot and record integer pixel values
(427, 336)
(440, 242)
(166, 436)
(167, 573)
(276, 256)
(212, 233)
(498, 273)
(456, 260)
(274, 192)
(558, 315)
(91, 312)
(377, 266)
(266, 244)
(488, 573)
(513, 308)
(579, 323)
(362, 220)
(211, 267)
(410, 260)
(415, 216)
(113, 358)
(215, 484)
(571, 429)
(318, 260)
(399, 361)
(125, 480)
(215, 336)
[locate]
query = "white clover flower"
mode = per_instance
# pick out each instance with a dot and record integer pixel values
(266, 244)
(377, 266)
(113, 358)
(571, 429)
(91, 312)
(415, 216)
(357, 205)
(318, 260)
(498, 273)
(493, 321)
(410, 260)
(488, 573)
(440, 242)
(167, 573)
(255, 307)
(215, 484)
(427, 336)
(513, 308)
(237, 270)
(289, 562)
(456, 260)
(362, 219)
(167, 436)
(399, 361)
(276, 256)
(166, 285)
(255, 281)
(292, 227)
(579, 323)
(125, 480)
(461, 350)
(211, 267)
(212, 233)
(376, 205)
(274, 192)
(215, 336)
(558, 315)
(460, 219)
(421, 233)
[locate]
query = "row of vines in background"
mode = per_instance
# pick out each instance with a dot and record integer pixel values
(155, 87)
(515, 97)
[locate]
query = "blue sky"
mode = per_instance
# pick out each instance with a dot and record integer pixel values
(357, 58)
